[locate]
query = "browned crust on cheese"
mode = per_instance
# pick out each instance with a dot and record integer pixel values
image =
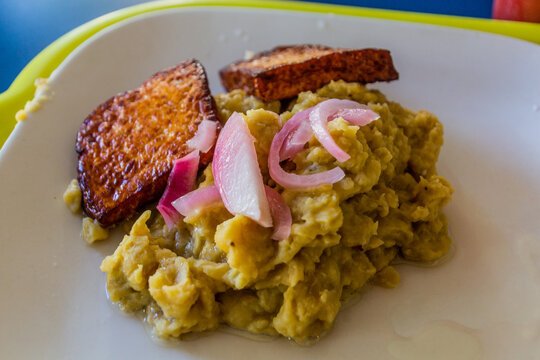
(285, 71)
(128, 144)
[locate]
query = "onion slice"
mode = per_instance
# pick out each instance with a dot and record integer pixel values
(281, 214)
(295, 141)
(358, 116)
(323, 111)
(237, 174)
(197, 200)
(294, 181)
(180, 182)
(204, 137)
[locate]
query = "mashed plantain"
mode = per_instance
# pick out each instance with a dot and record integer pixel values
(217, 268)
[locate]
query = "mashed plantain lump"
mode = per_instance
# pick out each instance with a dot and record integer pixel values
(215, 268)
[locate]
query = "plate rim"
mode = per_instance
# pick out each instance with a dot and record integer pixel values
(97, 37)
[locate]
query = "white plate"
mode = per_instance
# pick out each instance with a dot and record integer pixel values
(484, 88)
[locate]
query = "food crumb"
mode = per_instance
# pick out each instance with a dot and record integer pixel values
(92, 231)
(387, 278)
(20, 115)
(73, 197)
(248, 55)
(42, 94)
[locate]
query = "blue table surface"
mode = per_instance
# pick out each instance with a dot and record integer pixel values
(28, 26)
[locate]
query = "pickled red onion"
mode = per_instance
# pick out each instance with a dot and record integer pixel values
(323, 111)
(295, 141)
(358, 116)
(204, 137)
(197, 199)
(294, 181)
(281, 214)
(180, 182)
(237, 174)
